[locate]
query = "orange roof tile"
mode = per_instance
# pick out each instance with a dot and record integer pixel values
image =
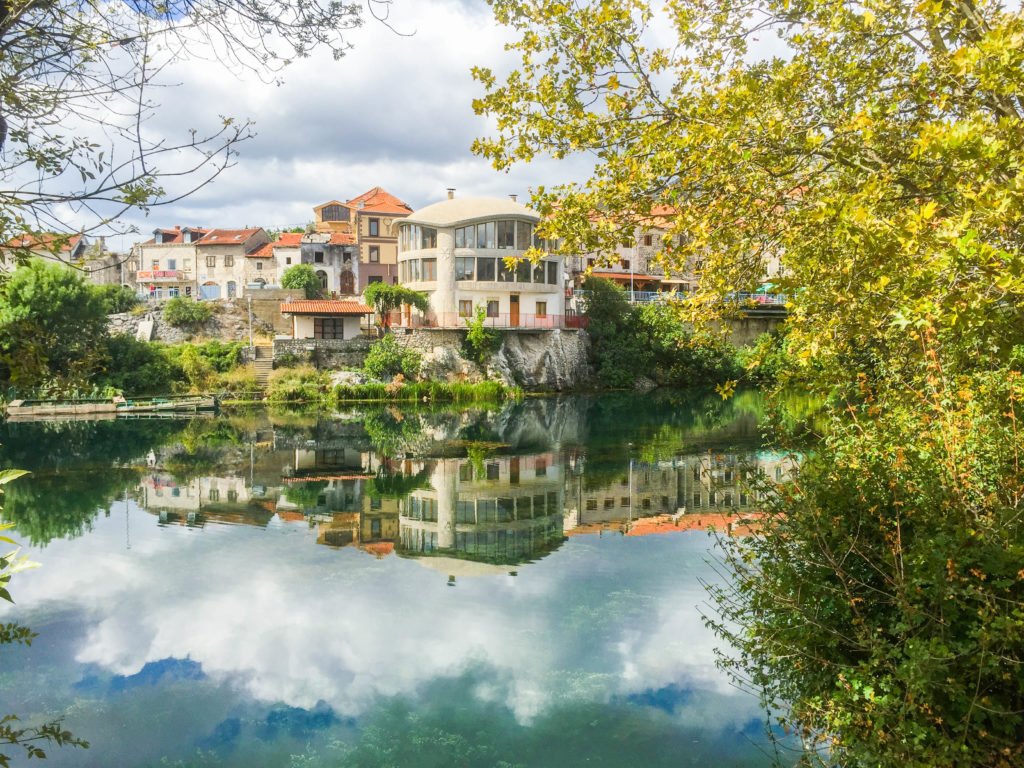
(325, 308)
(379, 200)
(265, 251)
(227, 236)
(177, 235)
(287, 239)
(342, 238)
(45, 242)
(379, 549)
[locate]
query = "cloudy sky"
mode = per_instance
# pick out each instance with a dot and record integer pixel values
(395, 112)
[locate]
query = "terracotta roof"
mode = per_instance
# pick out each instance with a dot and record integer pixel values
(286, 239)
(379, 549)
(227, 236)
(342, 238)
(265, 251)
(177, 235)
(379, 200)
(44, 242)
(325, 308)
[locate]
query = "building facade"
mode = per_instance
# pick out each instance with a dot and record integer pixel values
(221, 256)
(460, 253)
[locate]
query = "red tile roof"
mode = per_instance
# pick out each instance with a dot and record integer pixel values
(265, 251)
(379, 200)
(325, 308)
(342, 238)
(44, 242)
(286, 239)
(227, 236)
(177, 235)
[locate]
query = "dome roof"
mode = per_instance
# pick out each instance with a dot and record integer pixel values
(461, 210)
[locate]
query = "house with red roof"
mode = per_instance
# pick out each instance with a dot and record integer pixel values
(165, 265)
(93, 260)
(221, 256)
(327, 319)
(265, 265)
(369, 220)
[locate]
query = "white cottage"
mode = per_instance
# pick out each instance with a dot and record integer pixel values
(325, 319)
(456, 252)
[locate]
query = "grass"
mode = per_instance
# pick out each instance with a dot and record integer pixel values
(425, 391)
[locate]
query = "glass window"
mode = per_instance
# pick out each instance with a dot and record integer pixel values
(328, 328)
(591, 505)
(374, 253)
(539, 505)
(259, 265)
(648, 240)
(465, 308)
(492, 470)
(429, 238)
(154, 265)
(287, 259)
(466, 472)
(492, 307)
(524, 231)
(485, 269)
(460, 237)
(172, 264)
(542, 309)
(318, 257)
(505, 275)
(229, 261)
(464, 268)
(430, 269)
(552, 272)
(465, 512)
(481, 236)
(333, 213)
(415, 264)
(624, 263)
(506, 234)
(211, 261)
(538, 272)
(490, 226)
(374, 225)
(523, 270)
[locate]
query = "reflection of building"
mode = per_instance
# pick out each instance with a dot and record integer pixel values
(503, 510)
(710, 484)
(202, 499)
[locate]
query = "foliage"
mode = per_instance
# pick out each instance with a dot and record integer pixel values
(28, 738)
(612, 328)
(392, 432)
(182, 312)
(302, 277)
(767, 361)
(396, 485)
(386, 298)
(481, 342)
(889, 579)
(306, 495)
(425, 391)
(67, 67)
(298, 385)
(199, 373)
(241, 382)
(116, 298)
(387, 358)
(52, 327)
(140, 368)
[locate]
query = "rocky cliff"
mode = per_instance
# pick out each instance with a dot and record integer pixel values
(550, 360)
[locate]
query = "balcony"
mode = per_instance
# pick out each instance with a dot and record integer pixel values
(161, 276)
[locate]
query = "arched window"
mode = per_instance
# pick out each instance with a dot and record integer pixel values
(348, 284)
(322, 276)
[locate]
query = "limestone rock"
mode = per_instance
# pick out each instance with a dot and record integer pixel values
(550, 360)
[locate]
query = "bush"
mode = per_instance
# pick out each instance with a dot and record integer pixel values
(116, 298)
(186, 313)
(298, 385)
(302, 277)
(140, 368)
(240, 382)
(387, 358)
(481, 342)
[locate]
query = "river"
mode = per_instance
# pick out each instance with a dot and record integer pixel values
(521, 586)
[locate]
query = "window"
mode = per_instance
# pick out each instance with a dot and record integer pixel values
(211, 261)
(429, 269)
(492, 307)
(429, 238)
(465, 237)
(624, 263)
(232, 496)
(523, 270)
(328, 328)
(648, 240)
(524, 233)
(466, 472)
(172, 264)
(591, 505)
(542, 309)
(465, 308)
(485, 235)
(333, 213)
(374, 252)
(538, 272)
(229, 260)
(374, 225)
(485, 269)
(505, 274)
(492, 470)
(287, 259)
(173, 292)
(590, 263)
(318, 257)
(154, 265)
(232, 289)
(506, 234)
(322, 277)
(259, 266)
(541, 468)
(214, 494)
(552, 267)
(646, 503)
(374, 279)
(625, 501)
(464, 268)
(609, 503)
(414, 270)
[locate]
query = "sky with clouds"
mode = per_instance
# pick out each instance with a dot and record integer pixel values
(395, 112)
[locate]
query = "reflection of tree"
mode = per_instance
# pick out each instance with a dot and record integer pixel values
(391, 431)
(305, 495)
(78, 469)
(396, 485)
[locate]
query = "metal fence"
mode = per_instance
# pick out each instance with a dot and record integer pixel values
(646, 297)
(502, 320)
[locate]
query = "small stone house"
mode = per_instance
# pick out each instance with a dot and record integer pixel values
(331, 320)
(221, 256)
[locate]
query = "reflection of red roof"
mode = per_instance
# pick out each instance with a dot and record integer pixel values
(379, 548)
(291, 517)
(313, 478)
(325, 308)
(696, 521)
(635, 276)
(378, 200)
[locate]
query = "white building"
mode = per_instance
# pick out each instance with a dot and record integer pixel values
(456, 252)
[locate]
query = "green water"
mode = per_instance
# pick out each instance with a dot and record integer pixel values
(384, 587)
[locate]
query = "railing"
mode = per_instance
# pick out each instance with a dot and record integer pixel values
(645, 297)
(504, 320)
(160, 275)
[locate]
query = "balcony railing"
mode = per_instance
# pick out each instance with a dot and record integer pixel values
(522, 320)
(645, 297)
(161, 275)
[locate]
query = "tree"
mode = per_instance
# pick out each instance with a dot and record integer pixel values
(877, 159)
(52, 327)
(387, 298)
(302, 277)
(76, 87)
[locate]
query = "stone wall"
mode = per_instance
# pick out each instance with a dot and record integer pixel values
(266, 305)
(325, 353)
(230, 322)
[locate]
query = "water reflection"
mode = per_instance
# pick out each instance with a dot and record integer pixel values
(272, 585)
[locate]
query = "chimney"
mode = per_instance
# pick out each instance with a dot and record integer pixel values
(513, 197)
(177, 226)
(451, 193)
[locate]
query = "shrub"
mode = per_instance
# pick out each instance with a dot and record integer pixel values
(298, 385)
(302, 277)
(140, 368)
(239, 382)
(186, 313)
(116, 298)
(481, 342)
(387, 358)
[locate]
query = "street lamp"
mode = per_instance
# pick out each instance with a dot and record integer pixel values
(249, 301)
